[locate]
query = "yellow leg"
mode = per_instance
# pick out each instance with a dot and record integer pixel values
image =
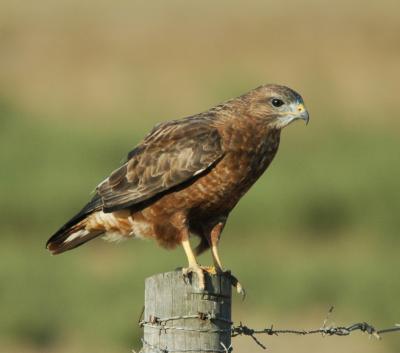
(214, 239)
(193, 265)
(217, 260)
(189, 253)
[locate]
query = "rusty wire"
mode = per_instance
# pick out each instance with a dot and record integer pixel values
(243, 330)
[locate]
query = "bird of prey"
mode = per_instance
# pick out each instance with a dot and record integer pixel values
(187, 175)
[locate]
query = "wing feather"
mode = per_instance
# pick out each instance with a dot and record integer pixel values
(173, 153)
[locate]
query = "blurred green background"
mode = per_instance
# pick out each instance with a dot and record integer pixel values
(82, 81)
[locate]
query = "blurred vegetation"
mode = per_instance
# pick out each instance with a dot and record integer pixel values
(81, 83)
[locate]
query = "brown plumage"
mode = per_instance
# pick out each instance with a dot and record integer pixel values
(187, 175)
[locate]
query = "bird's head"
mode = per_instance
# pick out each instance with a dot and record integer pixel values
(277, 105)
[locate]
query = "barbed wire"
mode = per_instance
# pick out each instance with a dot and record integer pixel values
(161, 323)
(244, 330)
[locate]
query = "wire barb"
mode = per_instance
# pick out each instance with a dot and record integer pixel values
(243, 330)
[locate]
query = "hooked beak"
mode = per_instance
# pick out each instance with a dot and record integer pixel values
(302, 113)
(296, 111)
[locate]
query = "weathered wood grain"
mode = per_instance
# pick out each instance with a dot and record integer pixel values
(178, 317)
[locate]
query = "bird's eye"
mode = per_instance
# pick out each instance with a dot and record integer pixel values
(276, 102)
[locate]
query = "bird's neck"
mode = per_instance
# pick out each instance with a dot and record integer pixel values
(248, 134)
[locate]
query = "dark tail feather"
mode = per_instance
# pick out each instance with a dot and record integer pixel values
(68, 241)
(73, 233)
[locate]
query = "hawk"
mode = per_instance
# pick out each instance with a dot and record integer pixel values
(186, 176)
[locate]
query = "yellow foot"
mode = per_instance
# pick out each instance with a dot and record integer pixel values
(199, 270)
(235, 283)
(212, 270)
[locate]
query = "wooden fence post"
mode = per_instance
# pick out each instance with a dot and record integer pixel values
(178, 317)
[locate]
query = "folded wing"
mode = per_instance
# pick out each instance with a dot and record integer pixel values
(172, 154)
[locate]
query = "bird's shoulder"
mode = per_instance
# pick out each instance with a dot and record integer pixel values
(172, 153)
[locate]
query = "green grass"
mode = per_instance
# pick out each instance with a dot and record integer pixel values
(82, 82)
(319, 228)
